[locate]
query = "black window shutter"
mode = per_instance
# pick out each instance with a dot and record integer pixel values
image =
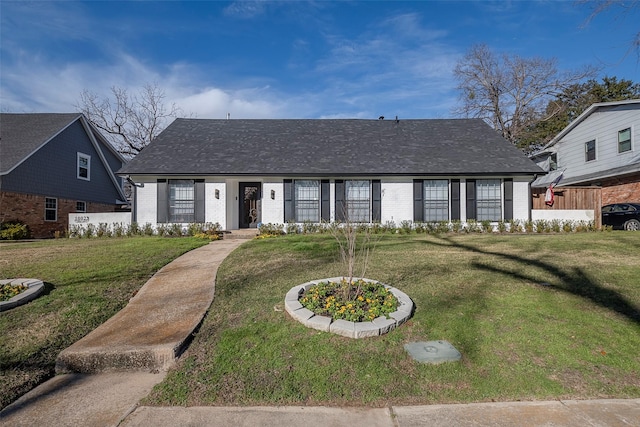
(289, 214)
(199, 201)
(162, 209)
(325, 198)
(418, 200)
(340, 207)
(455, 199)
(471, 199)
(508, 199)
(376, 200)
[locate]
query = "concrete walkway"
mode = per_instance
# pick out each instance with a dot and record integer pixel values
(115, 366)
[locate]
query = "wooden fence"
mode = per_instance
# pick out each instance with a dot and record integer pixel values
(568, 198)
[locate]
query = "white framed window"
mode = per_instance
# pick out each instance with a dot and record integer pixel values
(624, 140)
(307, 200)
(181, 200)
(50, 209)
(84, 166)
(488, 200)
(81, 206)
(436, 200)
(357, 198)
(590, 150)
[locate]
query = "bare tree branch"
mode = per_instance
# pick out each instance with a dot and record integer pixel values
(509, 92)
(129, 122)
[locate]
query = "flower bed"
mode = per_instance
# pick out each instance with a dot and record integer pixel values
(29, 289)
(375, 308)
(8, 291)
(356, 302)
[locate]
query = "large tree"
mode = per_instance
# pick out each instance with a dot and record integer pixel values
(129, 122)
(509, 91)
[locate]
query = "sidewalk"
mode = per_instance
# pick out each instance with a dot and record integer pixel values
(111, 369)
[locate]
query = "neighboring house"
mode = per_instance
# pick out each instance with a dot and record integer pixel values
(52, 165)
(600, 148)
(240, 173)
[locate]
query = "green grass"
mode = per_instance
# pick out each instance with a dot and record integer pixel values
(86, 282)
(534, 316)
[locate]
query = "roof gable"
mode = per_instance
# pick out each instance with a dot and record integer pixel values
(21, 135)
(329, 147)
(630, 103)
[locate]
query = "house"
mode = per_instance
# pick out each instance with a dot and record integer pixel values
(52, 165)
(601, 149)
(240, 173)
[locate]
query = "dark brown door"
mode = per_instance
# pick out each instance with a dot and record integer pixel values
(250, 201)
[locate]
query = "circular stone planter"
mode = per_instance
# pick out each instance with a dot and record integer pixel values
(380, 325)
(34, 289)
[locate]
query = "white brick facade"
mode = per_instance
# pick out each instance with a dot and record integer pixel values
(222, 205)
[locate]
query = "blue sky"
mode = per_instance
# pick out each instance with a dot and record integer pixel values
(293, 59)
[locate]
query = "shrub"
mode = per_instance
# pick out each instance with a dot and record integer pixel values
(528, 226)
(89, 231)
(406, 227)
(292, 228)
(103, 230)
(271, 229)
(514, 226)
(540, 225)
(147, 229)
(14, 230)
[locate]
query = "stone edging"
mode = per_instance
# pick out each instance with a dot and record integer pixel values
(35, 288)
(379, 326)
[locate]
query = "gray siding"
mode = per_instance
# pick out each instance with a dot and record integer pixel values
(602, 126)
(52, 171)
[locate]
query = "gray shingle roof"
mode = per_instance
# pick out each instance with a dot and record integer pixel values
(330, 147)
(23, 134)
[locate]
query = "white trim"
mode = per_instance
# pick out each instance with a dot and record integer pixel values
(79, 157)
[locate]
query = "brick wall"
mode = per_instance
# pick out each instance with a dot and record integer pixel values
(625, 189)
(30, 209)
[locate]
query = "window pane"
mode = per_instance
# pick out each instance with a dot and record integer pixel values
(307, 200)
(181, 200)
(436, 200)
(624, 140)
(488, 200)
(50, 209)
(358, 201)
(83, 166)
(590, 151)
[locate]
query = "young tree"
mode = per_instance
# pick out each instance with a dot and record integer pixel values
(510, 92)
(129, 122)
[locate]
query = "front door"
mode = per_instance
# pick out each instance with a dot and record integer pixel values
(250, 201)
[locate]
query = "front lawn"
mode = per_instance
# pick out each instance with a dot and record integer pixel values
(86, 282)
(534, 316)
